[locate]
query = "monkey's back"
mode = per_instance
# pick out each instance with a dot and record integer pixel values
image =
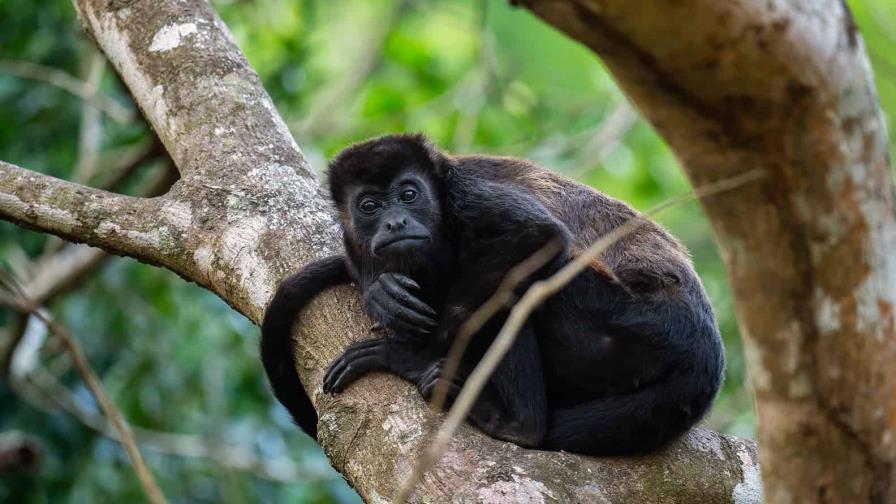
(588, 214)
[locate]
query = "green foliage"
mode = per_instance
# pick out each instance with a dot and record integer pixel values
(476, 76)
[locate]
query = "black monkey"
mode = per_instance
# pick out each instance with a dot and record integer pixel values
(623, 360)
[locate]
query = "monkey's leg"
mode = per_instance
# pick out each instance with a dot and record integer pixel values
(513, 405)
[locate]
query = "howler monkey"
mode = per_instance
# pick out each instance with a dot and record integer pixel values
(624, 359)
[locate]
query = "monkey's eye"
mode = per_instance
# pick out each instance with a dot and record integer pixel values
(408, 195)
(368, 206)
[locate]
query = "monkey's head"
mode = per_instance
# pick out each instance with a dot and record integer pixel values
(389, 193)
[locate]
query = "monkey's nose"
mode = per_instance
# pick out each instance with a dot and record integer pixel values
(397, 224)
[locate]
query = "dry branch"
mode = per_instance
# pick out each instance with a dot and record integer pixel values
(93, 383)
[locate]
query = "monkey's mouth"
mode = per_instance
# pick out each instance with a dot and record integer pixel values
(406, 240)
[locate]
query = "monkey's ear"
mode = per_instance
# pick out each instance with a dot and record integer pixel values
(440, 161)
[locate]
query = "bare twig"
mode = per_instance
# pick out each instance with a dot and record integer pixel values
(39, 387)
(56, 273)
(533, 297)
(73, 85)
(238, 458)
(116, 166)
(90, 134)
(150, 487)
(15, 333)
(321, 119)
(503, 296)
(608, 136)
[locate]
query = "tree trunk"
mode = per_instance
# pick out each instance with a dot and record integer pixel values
(784, 86)
(733, 86)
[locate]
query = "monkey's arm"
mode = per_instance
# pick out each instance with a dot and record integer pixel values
(499, 226)
(391, 302)
(276, 342)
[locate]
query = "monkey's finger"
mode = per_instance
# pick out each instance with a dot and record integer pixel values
(378, 313)
(390, 310)
(403, 314)
(398, 318)
(403, 280)
(401, 327)
(361, 350)
(372, 296)
(426, 382)
(394, 289)
(355, 370)
(354, 352)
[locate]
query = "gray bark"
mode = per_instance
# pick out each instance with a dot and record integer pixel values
(248, 210)
(784, 86)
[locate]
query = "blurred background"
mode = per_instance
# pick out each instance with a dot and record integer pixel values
(476, 76)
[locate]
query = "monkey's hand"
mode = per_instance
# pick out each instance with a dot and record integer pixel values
(356, 361)
(430, 379)
(390, 303)
(382, 354)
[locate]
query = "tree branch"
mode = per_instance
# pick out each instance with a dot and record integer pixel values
(194, 86)
(783, 86)
(147, 229)
(94, 385)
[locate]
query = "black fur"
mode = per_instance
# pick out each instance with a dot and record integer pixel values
(277, 352)
(623, 360)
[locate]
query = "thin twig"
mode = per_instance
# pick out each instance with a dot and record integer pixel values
(321, 120)
(240, 458)
(150, 487)
(534, 297)
(609, 135)
(90, 134)
(73, 85)
(38, 386)
(499, 300)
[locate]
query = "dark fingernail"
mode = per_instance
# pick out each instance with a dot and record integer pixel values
(409, 281)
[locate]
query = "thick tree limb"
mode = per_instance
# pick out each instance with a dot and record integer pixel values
(124, 225)
(247, 211)
(194, 85)
(784, 86)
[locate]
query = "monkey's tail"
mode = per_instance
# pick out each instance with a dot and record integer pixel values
(277, 351)
(635, 423)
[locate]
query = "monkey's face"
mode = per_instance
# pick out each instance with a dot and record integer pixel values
(397, 221)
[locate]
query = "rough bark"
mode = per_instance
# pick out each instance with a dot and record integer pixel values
(784, 86)
(247, 211)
